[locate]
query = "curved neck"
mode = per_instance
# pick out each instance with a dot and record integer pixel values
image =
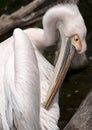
(50, 28)
(50, 22)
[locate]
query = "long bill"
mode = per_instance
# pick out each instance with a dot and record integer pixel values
(67, 51)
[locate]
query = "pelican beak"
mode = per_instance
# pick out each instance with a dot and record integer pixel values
(68, 47)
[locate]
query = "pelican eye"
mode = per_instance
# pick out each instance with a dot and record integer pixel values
(75, 40)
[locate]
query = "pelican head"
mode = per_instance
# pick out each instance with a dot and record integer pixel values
(67, 20)
(69, 17)
(74, 26)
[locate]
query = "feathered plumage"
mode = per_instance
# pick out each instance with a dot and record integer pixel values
(25, 74)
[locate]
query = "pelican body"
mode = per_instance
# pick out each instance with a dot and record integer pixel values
(25, 75)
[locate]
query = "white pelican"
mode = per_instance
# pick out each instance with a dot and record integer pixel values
(25, 74)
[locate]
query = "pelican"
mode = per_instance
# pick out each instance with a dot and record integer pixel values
(25, 74)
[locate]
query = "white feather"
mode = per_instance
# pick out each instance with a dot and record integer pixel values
(25, 74)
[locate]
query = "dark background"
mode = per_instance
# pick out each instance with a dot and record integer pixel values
(77, 83)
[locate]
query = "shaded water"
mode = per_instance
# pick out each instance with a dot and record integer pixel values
(78, 83)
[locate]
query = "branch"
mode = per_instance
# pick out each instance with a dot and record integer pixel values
(23, 11)
(8, 22)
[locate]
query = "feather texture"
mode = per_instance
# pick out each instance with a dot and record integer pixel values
(25, 74)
